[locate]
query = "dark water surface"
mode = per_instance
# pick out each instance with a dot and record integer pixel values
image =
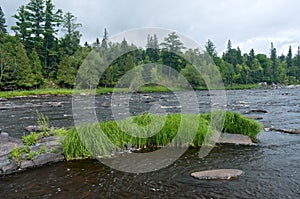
(272, 170)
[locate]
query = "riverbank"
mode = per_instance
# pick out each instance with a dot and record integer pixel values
(54, 145)
(144, 89)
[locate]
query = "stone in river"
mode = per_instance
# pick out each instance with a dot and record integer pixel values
(218, 174)
(227, 138)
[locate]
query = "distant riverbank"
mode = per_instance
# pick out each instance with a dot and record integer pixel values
(146, 89)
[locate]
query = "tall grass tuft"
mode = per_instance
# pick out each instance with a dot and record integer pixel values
(151, 131)
(236, 123)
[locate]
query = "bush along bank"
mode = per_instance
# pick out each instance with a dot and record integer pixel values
(146, 131)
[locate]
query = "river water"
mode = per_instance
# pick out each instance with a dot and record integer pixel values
(271, 170)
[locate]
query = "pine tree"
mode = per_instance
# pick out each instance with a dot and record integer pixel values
(210, 48)
(71, 40)
(273, 58)
(173, 44)
(229, 46)
(22, 26)
(152, 48)
(2, 21)
(289, 58)
(104, 43)
(52, 21)
(36, 17)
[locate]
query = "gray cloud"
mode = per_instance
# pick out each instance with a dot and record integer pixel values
(249, 24)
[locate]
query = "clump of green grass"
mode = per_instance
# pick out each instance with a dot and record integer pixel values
(236, 123)
(43, 123)
(151, 131)
(73, 147)
(101, 138)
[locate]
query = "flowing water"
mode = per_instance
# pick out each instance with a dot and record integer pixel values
(271, 170)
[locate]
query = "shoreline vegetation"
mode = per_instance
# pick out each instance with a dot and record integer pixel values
(101, 91)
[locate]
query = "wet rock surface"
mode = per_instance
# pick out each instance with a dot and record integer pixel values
(47, 150)
(237, 139)
(290, 131)
(218, 174)
(7, 143)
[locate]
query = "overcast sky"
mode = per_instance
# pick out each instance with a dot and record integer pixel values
(248, 24)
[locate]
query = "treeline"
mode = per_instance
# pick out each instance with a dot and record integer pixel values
(36, 57)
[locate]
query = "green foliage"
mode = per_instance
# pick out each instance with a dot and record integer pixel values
(37, 54)
(73, 147)
(30, 139)
(43, 149)
(163, 131)
(43, 123)
(238, 124)
(18, 152)
(2, 21)
(60, 132)
(31, 155)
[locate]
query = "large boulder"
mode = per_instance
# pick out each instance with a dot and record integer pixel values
(218, 174)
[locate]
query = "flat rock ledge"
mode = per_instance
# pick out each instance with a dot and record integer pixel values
(47, 150)
(218, 174)
(236, 139)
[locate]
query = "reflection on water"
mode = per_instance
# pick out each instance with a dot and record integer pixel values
(271, 169)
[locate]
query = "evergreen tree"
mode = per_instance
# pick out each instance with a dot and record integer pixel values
(36, 18)
(274, 62)
(104, 43)
(152, 48)
(14, 65)
(71, 40)
(173, 44)
(36, 66)
(251, 58)
(52, 21)
(22, 26)
(229, 46)
(2, 21)
(289, 58)
(210, 48)
(297, 65)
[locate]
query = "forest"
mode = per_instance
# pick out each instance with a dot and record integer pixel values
(46, 51)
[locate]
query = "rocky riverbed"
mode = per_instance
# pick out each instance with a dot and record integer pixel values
(15, 156)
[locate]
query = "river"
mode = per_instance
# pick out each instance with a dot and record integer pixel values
(271, 170)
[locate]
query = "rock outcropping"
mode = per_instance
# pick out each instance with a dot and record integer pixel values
(46, 150)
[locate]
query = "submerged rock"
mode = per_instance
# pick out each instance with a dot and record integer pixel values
(290, 131)
(218, 174)
(257, 111)
(237, 139)
(254, 117)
